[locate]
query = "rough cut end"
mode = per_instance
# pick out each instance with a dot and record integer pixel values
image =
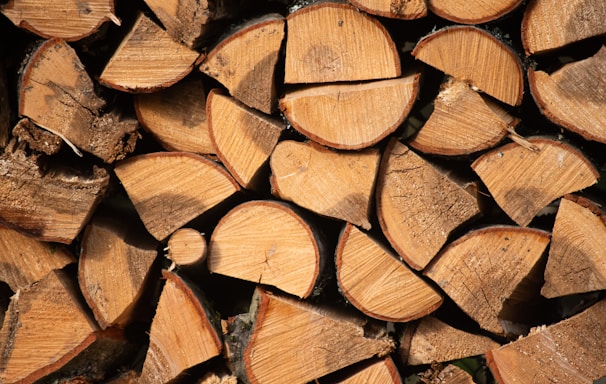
(398, 9)
(461, 11)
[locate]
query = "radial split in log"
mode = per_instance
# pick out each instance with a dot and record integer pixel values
(351, 116)
(478, 12)
(395, 9)
(329, 42)
(187, 247)
(483, 269)
(523, 182)
(333, 184)
(473, 55)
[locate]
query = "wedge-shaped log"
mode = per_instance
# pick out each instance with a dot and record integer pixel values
(345, 116)
(483, 269)
(148, 59)
(329, 42)
(283, 340)
(523, 181)
(395, 9)
(182, 334)
(551, 24)
(574, 96)
(382, 371)
(243, 138)
(68, 20)
(377, 283)
(245, 62)
(473, 55)
(418, 205)
(577, 259)
(333, 184)
(176, 116)
(478, 12)
(170, 189)
(462, 122)
(57, 94)
(571, 351)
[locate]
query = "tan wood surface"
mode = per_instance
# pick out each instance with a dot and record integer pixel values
(187, 247)
(395, 9)
(476, 12)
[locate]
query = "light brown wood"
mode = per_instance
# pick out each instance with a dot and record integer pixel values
(115, 260)
(418, 205)
(212, 378)
(551, 24)
(37, 139)
(523, 182)
(26, 260)
(69, 20)
(571, 351)
(242, 137)
(345, 116)
(476, 12)
(462, 122)
(431, 340)
(473, 55)
(574, 96)
(577, 259)
(148, 59)
(382, 371)
(57, 94)
(182, 333)
(176, 116)
(187, 247)
(268, 243)
(481, 270)
(245, 62)
(377, 283)
(333, 184)
(450, 374)
(169, 189)
(329, 42)
(395, 9)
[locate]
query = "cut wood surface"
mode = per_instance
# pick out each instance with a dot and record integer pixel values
(551, 24)
(418, 205)
(170, 189)
(182, 333)
(481, 270)
(245, 62)
(477, 12)
(377, 283)
(395, 9)
(462, 122)
(574, 96)
(242, 137)
(345, 116)
(577, 259)
(450, 374)
(57, 94)
(431, 340)
(329, 42)
(187, 247)
(38, 139)
(333, 184)
(148, 59)
(268, 243)
(523, 181)
(176, 116)
(571, 351)
(379, 371)
(69, 20)
(473, 55)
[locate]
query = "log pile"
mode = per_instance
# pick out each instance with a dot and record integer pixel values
(369, 191)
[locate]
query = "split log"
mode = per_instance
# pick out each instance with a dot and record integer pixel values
(329, 42)
(268, 243)
(333, 184)
(242, 137)
(576, 260)
(68, 20)
(283, 340)
(378, 284)
(552, 24)
(212, 378)
(382, 371)
(344, 116)
(187, 248)
(489, 271)
(473, 55)
(524, 181)
(147, 60)
(418, 205)
(170, 189)
(245, 62)
(574, 96)
(464, 12)
(183, 332)
(176, 116)
(395, 9)
(450, 374)
(57, 94)
(38, 140)
(571, 351)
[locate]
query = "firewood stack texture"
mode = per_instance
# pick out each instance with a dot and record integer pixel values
(287, 191)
